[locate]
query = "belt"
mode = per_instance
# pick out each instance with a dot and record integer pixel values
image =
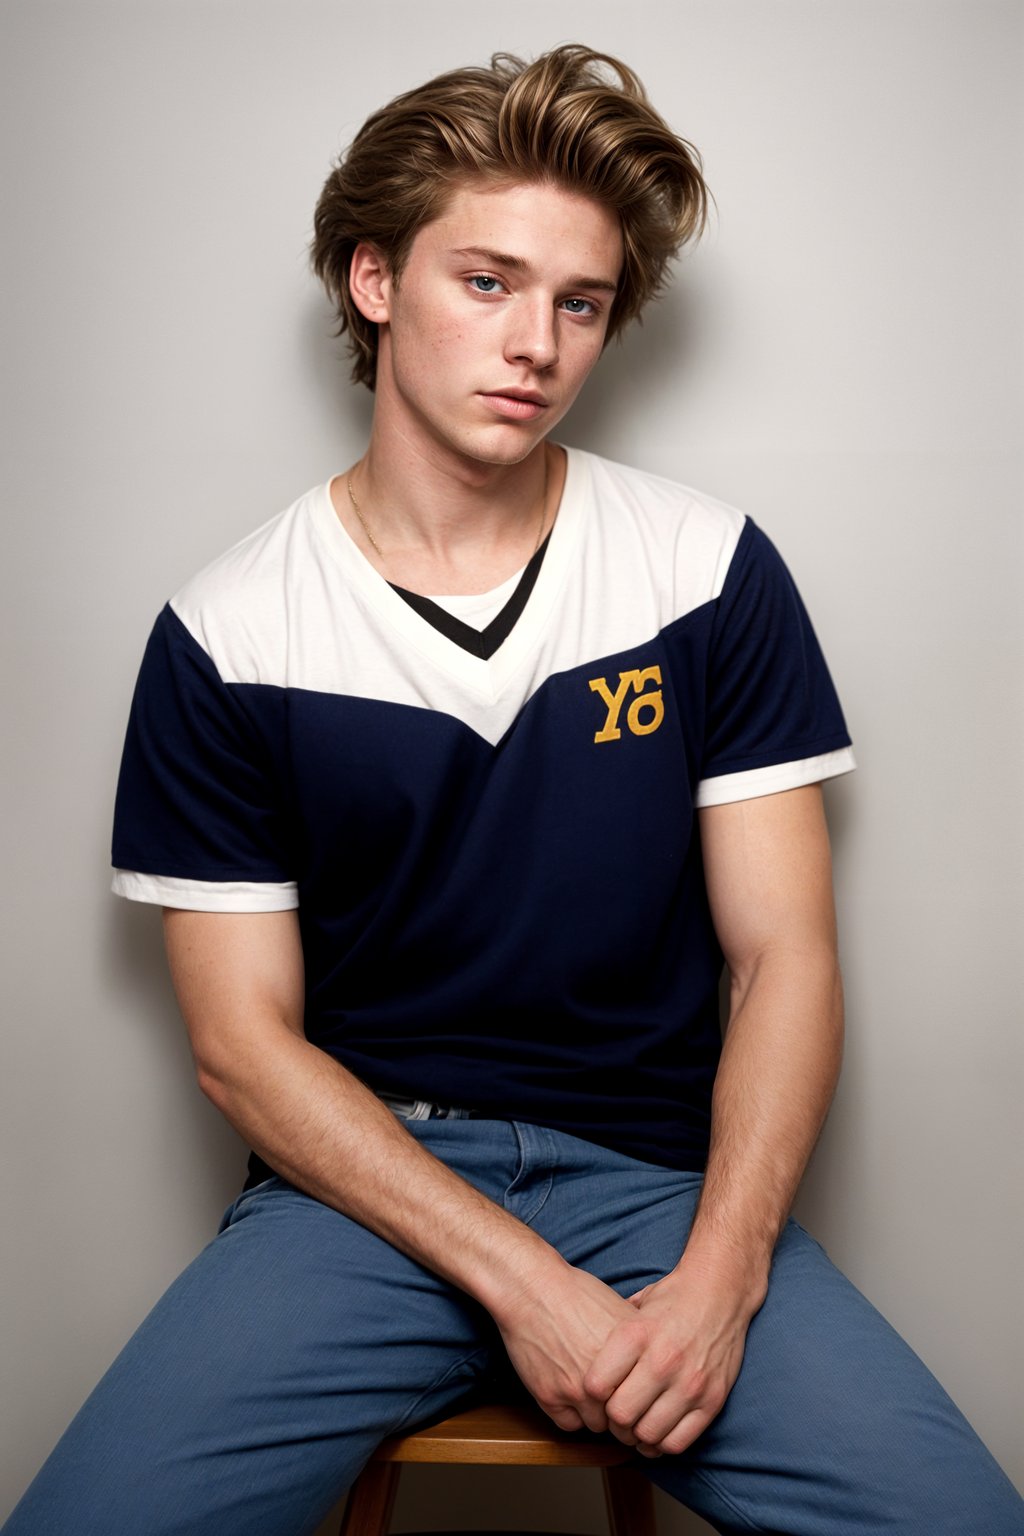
(423, 1109)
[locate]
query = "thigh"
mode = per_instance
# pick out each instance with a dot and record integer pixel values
(253, 1393)
(834, 1426)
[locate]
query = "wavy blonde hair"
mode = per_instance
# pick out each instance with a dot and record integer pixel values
(574, 117)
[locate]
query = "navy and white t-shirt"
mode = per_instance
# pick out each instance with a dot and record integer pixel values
(495, 861)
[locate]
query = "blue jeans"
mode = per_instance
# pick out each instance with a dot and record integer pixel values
(256, 1389)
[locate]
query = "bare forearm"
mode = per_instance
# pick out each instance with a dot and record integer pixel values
(327, 1133)
(780, 1063)
(239, 978)
(768, 873)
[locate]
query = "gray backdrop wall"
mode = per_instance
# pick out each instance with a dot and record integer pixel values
(841, 358)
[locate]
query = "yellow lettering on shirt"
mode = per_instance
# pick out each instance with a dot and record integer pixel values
(645, 713)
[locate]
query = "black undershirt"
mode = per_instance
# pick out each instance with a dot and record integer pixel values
(479, 642)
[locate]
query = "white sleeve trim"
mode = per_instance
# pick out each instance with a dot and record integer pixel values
(206, 895)
(727, 787)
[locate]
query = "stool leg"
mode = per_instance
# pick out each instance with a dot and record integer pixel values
(629, 1500)
(371, 1500)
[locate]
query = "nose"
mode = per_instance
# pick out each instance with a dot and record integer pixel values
(533, 335)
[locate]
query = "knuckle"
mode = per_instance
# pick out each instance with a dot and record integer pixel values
(697, 1385)
(667, 1360)
(619, 1415)
(563, 1393)
(594, 1385)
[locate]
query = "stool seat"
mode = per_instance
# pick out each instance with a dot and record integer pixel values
(503, 1433)
(516, 1434)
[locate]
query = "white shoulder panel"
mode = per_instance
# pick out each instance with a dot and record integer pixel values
(685, 539)
(237, 607)
(295, 604)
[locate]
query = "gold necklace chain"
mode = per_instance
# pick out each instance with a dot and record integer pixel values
(362, 519)
(380, 552)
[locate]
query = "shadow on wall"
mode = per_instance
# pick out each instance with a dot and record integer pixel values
(656, 360)
(832, 1184)
(347, 408)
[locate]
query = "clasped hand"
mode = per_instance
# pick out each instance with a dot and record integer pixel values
(654, 1368)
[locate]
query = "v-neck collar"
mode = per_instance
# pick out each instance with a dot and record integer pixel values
(487, 678)
(481, 642)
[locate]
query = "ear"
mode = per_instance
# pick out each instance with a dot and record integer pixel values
(369, 283)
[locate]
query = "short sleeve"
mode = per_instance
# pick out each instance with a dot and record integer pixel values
(198, 816)
(774, 721)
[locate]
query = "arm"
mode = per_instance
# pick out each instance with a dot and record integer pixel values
(768, 873)
(769, 878)
(239, 982)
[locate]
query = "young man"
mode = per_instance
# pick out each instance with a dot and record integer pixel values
(456, 781)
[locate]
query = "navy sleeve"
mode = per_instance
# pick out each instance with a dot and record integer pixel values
(773, 717)
(198, 818)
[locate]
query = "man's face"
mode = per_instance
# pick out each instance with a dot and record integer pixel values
(507, 295)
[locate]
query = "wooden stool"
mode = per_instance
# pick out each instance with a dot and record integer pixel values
(501, 1434)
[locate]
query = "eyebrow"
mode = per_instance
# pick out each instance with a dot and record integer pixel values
(519, 264)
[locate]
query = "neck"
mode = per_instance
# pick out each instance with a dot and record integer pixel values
(447, 506)
(437, 522)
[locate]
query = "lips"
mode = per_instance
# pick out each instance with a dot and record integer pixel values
(521, 394)
(519, 404)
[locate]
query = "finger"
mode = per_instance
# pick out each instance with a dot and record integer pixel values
(668, 1422)
(621, 1430)
(653, 1424)
(582, 1415)
(635, 1397)
(565, 1417)
(683, 1433)
(594, 1417)
(614, 1361)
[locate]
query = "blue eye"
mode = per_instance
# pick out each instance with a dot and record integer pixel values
(482, 278)
(587, 308)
